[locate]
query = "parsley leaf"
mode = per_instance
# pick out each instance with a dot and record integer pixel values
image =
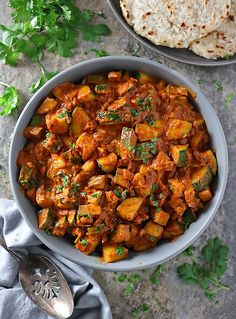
(9, 100)
(207, 270)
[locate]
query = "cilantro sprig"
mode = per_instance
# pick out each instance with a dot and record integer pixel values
(41, 25)
(207, 270)
(9, 100)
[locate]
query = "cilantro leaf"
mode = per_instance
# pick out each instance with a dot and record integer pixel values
(216, 254)
(206, 270)
(218, 85)
(9, 100)
(52, 25)
(34, 87)
(99, 53)
(92, 32)
(228, 99)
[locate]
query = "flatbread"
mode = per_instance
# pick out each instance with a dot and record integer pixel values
(175, 23)
(219, 43)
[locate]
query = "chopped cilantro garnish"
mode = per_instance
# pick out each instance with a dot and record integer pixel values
(152, 238)
(200, 81)
(120, 195)
(154, 187)
(134, 112)
(101, 87)
(84, 242)
(95, 195)
(228, 99)
(129, 288)
(134, 278)
(134, 312)
(48, 232)
(218, 85)
(113, 116)
(140, 101)
(145, 307)
(122, 278)
(59, 189)
(72, 146)
(62, 115)
(99, 228)
(117, 193)
(76, 187)
(102, 115)
(65, 179)
(83, 194)
(226, 57)
(119, 250)
(149, 120)
(132, 148)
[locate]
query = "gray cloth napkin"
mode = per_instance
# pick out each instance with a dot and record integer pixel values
(90, 301)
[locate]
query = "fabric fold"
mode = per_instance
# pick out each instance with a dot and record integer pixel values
(90, 301)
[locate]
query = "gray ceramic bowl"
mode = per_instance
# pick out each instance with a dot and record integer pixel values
(180, 55)
(163, 251)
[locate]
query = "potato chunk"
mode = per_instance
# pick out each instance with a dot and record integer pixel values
(93, 210)
(86, 145)
(178, 129)
(113, 252)
(128, 209)
(47, 106)
(79, 121)
(108, 163)
(146, 132)
(84, 94)
(123, 177)
(44, 198)
(162, 162)
(87, 244)
(45, 218)
(122, 233)
(205, 195)
(153, 229)
(160, 217)
(98, 182)
(56, 124)
(176, 186)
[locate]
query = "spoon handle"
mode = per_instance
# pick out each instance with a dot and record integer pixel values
(16, 255)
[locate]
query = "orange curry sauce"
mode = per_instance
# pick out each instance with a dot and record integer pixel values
(117, 163)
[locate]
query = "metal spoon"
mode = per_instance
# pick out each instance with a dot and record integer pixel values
(44, 284)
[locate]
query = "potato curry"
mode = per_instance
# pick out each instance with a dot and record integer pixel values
(117, 162)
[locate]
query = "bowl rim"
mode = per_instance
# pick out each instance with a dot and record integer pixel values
(158, 48)
(103, 266)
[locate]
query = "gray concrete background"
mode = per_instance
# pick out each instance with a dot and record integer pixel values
(171, 299)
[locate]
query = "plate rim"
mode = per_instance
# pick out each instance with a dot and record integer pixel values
(155, 48)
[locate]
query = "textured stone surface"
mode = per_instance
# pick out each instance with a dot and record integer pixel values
(171, 299)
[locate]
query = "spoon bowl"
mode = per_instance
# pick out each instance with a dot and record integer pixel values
(44, 284)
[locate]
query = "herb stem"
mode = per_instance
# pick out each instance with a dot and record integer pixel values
(42, 68)
(4, 84)
(219, 285)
